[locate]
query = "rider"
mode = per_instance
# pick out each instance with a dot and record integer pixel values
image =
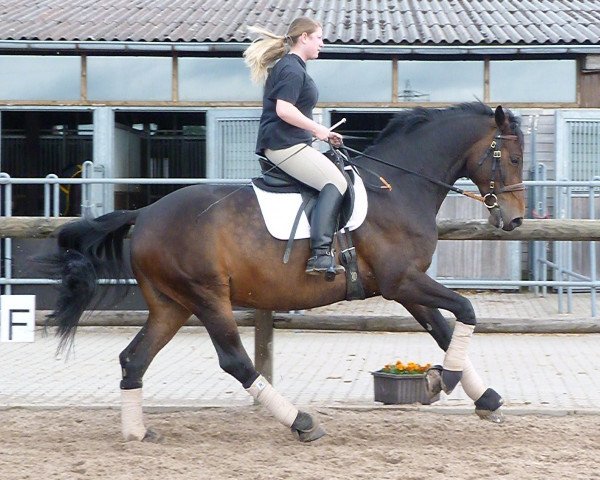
(286, 127)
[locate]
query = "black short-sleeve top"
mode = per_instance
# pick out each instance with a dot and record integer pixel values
(287, 81)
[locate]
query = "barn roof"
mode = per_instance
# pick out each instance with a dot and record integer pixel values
(363, 22)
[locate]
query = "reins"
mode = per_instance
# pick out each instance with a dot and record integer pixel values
(490, 200)
(412, 172)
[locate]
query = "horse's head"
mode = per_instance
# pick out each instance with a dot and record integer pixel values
(495, 164)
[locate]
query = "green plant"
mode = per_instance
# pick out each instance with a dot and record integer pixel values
(409, 368)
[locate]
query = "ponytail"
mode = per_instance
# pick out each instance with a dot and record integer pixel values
(263, 52)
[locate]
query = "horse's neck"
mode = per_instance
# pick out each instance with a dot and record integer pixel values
(439, 157)
(444, 148)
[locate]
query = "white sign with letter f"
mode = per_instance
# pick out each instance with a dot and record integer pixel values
(17, 318)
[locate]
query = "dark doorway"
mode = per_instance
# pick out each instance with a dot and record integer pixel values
(37, 143)
(363, 125)
(158, 145)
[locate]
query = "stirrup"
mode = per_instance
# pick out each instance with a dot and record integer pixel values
(324, 264)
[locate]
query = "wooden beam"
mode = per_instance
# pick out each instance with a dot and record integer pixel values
(31, 227)
(258, 104)
(394, 79)
(565, 230)
(553, 323)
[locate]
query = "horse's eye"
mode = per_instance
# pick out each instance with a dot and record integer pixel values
(515, 160)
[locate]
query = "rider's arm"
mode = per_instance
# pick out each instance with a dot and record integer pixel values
(290, 114)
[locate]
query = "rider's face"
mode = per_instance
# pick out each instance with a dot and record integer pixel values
(313, 43)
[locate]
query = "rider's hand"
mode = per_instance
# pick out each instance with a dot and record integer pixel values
(335, 139)
(326, 135)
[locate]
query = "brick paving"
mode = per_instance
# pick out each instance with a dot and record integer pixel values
(534, 372)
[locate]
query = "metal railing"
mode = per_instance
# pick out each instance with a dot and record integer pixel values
(568, 280)
(564, 278)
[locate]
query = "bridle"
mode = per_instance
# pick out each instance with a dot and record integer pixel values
(490, 199)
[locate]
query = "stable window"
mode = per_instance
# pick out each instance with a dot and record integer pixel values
(129, 78)
(36, 77)
(533, 81)
(440, 81)
(352, 80)
(216, 79)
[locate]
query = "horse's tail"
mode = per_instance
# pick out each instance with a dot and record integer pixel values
(88, 250)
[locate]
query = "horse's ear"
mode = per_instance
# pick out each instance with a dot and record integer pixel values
(500, 116)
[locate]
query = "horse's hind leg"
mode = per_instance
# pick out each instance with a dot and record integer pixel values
(234, 360)
(487, 400)
(164, 320)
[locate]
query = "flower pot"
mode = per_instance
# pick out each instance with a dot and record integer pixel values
(392, 389)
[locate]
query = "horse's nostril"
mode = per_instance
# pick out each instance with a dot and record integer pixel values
(517, 222)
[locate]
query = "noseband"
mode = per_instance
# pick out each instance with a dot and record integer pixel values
(490, 200)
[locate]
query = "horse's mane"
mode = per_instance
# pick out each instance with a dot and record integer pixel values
(408, 121)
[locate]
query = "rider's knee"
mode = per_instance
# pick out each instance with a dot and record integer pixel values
(341, 185)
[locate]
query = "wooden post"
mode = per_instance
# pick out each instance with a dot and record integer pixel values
(263, 343)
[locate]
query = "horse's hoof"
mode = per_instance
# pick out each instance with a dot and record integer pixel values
(488, 406)
(495, 416)
(310, 435)
(433, 376)
(152, 436)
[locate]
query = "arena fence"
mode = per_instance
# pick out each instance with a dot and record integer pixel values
(539, 231)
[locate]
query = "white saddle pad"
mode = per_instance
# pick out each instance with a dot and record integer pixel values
(279, 211)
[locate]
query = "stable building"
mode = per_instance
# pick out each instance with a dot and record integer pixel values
(159, 89)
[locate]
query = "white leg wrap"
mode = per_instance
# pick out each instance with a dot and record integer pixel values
(471, 382)
(132, 422)
(456, 355)
(270, 398)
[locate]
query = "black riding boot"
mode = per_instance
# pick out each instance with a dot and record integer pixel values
(323, 225)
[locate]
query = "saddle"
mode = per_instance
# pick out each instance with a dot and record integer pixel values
(275, 180)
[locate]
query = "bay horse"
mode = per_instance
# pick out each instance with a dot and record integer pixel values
(202, 249)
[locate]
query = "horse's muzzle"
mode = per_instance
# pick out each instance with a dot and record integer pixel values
(515, 223)
(497, 220)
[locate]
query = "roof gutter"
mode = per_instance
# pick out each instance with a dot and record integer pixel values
(30, 46)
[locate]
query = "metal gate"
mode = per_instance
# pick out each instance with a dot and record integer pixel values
(577, 159)
(231, 139)
(60, 152)
(171, 154)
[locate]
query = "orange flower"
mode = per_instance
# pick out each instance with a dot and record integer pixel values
(411, 368)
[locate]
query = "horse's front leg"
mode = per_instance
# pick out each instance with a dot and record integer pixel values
(418, 288)
(487, 400)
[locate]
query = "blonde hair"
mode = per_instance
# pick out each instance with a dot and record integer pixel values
(265, 51)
